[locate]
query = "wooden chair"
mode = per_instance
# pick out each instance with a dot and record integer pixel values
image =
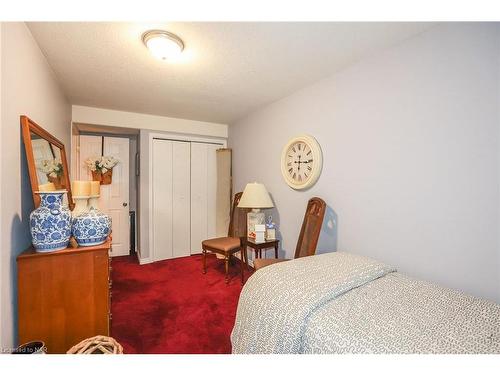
(309, 234)
(231, 244)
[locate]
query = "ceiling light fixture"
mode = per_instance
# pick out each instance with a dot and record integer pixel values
(162, 44)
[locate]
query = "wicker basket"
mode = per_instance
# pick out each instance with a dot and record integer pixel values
(97, 345)
(104, 178)
(96, 176)
(57, 181)
(107, 178)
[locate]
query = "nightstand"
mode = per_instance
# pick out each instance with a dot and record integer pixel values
(257, 247)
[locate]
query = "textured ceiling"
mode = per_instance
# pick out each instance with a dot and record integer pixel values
(227, 69)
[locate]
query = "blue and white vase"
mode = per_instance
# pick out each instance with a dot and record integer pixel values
(50, 224)
(91, 227)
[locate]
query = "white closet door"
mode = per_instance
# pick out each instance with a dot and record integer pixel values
(162, 199)
(199, 196)
(212, 190)
(203, 193)
(181, 199)
(114, 199)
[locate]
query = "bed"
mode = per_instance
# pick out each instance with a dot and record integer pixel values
(345, 303)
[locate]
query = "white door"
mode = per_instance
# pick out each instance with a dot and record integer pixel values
(203, 193)
(90, 145)
(114, 199)
(171, 199)
(41, 151)
(181, 205)
(162, 199)
(75, 157)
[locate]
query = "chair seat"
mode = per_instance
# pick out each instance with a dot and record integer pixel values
(222, 243)
(261, 263)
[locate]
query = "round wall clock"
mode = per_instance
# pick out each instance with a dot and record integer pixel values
(301, 162)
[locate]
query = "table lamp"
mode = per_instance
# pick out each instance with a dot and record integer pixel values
(255, 196)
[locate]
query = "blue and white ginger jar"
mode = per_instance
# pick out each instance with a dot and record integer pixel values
(91, 227)
(50, 224)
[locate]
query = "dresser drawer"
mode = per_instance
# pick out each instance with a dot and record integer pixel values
(63, 297)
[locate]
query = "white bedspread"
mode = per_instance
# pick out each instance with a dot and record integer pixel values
(342, 303)
(276, 301)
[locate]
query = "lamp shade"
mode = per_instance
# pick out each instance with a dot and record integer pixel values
(255, 195)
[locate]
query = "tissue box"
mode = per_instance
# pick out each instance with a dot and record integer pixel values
(260, 231)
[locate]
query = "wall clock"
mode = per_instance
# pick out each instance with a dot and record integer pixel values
(301, 162)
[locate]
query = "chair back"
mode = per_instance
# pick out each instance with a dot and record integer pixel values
(311, 228)
(238, 219)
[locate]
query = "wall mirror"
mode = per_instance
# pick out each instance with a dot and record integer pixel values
(47, 163)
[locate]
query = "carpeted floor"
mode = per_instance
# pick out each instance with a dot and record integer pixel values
(171, 307)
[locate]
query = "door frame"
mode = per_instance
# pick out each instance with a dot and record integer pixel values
(167, 137)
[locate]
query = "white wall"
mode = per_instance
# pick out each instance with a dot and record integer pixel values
(410, 139)
(30, 88)
(108, 117)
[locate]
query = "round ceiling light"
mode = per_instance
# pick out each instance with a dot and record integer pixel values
(162, 44)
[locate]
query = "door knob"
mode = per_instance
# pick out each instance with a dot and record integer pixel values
(125, 204)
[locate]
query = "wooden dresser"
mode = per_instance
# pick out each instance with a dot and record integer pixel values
(64, 296)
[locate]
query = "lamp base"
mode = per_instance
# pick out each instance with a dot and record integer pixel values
(254, 217)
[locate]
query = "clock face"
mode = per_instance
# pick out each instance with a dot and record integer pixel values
(301, 162)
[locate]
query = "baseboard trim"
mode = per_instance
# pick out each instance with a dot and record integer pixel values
(145, 261)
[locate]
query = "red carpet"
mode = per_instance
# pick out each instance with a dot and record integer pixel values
(171, 307)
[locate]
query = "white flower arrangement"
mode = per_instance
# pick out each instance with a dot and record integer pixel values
(51, 167)
(101, 163)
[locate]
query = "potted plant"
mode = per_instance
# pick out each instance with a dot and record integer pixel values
(53, 169)
(102, 168)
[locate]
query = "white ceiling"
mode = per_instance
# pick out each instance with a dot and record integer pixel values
(228, 69)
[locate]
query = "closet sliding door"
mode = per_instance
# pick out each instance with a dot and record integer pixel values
(181, 205)
(162, 199)
(171, 199)
(203, 193)
(184, 191)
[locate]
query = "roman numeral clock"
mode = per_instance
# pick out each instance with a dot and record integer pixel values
(301, 162)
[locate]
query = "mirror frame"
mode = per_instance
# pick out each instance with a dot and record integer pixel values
(29, 126)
